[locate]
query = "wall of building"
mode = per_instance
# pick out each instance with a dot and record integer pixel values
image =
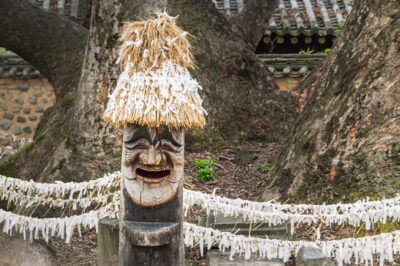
(22, 104)
(288, 83)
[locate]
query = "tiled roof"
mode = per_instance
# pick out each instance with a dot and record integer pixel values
(296, 17)
(66, 7)
(293, 65)
(12, 65)
(229, 6)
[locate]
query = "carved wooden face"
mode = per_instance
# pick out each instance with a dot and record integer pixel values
(152, 163)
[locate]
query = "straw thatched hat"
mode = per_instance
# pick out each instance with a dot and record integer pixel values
(155, 87)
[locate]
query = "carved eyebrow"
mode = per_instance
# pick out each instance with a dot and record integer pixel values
(166, 135)
(140, 133)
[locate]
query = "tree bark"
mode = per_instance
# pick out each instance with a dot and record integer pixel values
(253, 18)
(345, 144)
(52, 43)
(72, 143)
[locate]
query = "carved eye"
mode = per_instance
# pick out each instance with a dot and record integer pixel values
(168, 146)
(140, 147)
(141, 144)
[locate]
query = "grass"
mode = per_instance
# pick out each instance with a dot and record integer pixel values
(266, 166)
(204, 172)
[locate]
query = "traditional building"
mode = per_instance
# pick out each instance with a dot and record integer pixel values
(298, 36)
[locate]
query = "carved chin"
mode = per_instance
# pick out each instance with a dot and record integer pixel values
(152, 176)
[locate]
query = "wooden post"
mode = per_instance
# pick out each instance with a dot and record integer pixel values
(108, 242)
(151, 197)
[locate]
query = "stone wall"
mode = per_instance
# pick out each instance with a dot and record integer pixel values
(22, 104)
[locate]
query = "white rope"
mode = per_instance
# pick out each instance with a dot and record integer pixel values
(273, 213)
(193, 197)
(344, 250)
(20, 142)
(277, 217)
(58, 189)
(60, 227)
(363, 206)
(28, 201)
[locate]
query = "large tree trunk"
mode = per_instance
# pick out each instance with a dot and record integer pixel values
(72, 142)
(346, 143)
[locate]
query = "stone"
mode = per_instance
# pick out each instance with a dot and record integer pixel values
(16, 251)
(229, 224)
(37, 94)
(32, 99)
(16, 108)
(27, 111)
(7, 97)
(39, 109)
(44, 101)
(23, 89)
(5, 125)
(310, 256)
(8, 116)
(5, 143)
(27, 130)
(218, 258)
(21, 119)
(17, 130)
(3, 107)
(32, 117)
(19, 101)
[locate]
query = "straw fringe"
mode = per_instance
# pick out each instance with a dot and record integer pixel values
(166, 96)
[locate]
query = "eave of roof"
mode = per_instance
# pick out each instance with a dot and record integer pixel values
(292, 65)
(14, 66)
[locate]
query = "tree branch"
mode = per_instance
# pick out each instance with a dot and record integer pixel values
(52, 43)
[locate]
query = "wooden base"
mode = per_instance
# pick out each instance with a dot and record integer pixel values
(151, 236)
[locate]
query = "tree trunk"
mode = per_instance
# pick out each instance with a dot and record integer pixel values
(243, 101)
(345, 144)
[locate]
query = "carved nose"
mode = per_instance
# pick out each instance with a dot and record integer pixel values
(152, 157)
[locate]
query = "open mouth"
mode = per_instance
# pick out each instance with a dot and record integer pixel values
(152, 176)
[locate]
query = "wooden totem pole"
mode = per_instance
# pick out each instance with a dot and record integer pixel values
(155, 100)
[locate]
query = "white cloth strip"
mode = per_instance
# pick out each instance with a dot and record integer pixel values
(344, 250)
(28, 201)
(362, 206)
(276, 217)
(59, 189)
(50, 227)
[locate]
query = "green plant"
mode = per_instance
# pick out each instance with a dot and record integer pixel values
(205, 171)
(2, 51)
(205, 174)
(340, 27)
(266, 166)
(204, 163)
(190, 181)
(326, 51)
(308, 51)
